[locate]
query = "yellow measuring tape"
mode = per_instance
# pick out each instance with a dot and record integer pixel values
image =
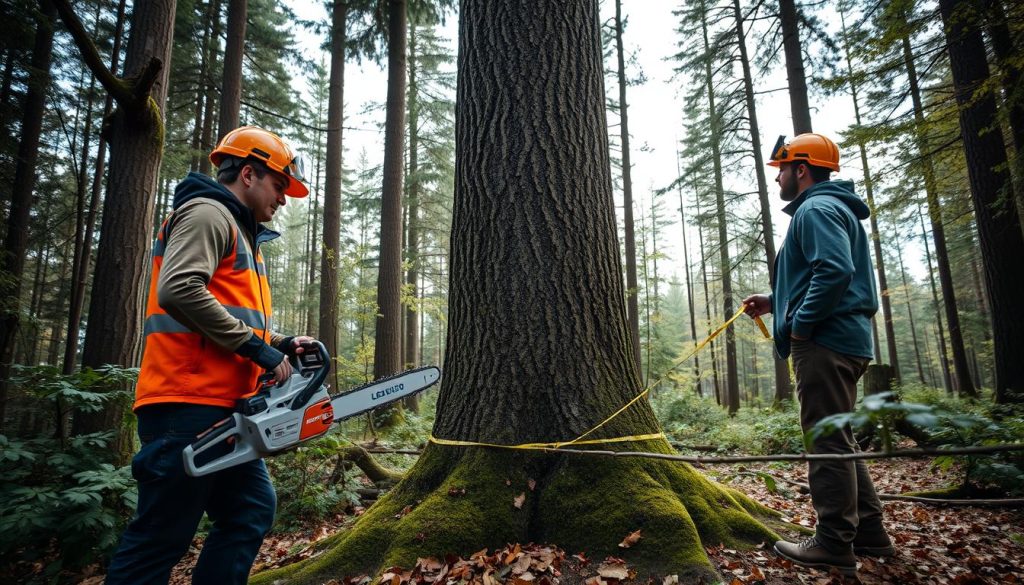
(579, 440)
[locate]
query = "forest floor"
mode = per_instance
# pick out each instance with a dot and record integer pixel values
(936, 544)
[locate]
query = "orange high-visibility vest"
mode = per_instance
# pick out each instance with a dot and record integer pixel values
(179, 365)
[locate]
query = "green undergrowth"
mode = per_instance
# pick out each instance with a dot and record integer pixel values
(459, 500)
(690, 420)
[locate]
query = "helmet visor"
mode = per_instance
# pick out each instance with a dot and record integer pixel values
(780, 150)
(297, 169)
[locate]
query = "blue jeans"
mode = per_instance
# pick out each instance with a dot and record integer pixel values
(240, 501)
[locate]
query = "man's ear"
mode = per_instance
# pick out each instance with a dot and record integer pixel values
(245, 175)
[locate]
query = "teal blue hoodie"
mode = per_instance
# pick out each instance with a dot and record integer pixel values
(824, 282)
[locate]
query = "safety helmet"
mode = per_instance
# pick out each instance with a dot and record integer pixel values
(250, 142)
(814, 149)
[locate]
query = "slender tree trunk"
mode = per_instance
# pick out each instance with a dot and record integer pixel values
(210, 102)
(689, 287)
(960, 371)
(707, 306)
(201, 91)
(387, 357)
(876, 234)
(732, 387)
(231, 87)
(81, 274)
(798, 103)
(114, 329)
(910, 314)
(947, 376)
(627, 193)
(783, 385)
(999, 233)
(328, 328)
(15, 245)
(412, 330)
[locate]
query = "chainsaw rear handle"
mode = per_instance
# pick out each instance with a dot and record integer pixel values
(321, 361)
(218, 434)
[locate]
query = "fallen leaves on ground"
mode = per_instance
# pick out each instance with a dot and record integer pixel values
(936, 545)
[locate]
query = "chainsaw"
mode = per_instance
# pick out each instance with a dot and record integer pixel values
(282, 416)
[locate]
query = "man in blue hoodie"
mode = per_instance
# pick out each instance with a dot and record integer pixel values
(823, 299)
(209, 336)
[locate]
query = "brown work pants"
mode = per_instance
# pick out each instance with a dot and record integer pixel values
(842, 493)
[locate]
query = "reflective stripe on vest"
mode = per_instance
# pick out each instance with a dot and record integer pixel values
(179, 365)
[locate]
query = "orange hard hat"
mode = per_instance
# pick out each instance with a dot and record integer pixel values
(250, 142)
(814, 149)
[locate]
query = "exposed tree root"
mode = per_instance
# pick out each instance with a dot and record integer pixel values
(459, 500)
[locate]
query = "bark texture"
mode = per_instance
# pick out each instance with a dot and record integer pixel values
(798, 103)
(387, 351)
(114, 329)
(999, 233)
(539, 346)
(328, 325)
(231, 87)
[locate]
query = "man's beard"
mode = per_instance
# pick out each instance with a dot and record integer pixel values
(788, 188)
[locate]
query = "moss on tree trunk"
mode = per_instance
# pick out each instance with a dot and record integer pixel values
(462, 499)
(538, 344)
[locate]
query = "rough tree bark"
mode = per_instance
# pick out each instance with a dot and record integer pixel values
(632, 311)
(798, 103)
(328, 325)
(387, 352)
(231, 87)
(136, 135)
(210, 103)
(539, 346)
(999, 233)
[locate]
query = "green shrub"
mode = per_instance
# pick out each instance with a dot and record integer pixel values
(62, 497)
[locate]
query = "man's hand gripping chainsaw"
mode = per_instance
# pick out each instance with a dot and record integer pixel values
(280, 417)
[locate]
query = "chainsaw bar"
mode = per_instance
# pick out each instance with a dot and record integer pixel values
(383, 391)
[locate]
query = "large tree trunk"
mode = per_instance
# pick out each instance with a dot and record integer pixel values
(114, 329)
(539, 346)
(798, 103)
(999, 233)
(15, 244)
(961, 374)
(632, 310)
(231, 87)
(387, 352)
(783, 384)
(328, 326)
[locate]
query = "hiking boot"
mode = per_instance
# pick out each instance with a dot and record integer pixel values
(873, 544)
(811, 553)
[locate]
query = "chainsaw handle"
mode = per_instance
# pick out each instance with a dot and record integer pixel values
(218, 434)
(323, 359)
